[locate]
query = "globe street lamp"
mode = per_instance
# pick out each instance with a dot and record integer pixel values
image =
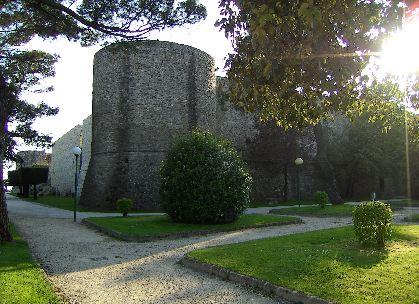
(77, 152)
(298, 162)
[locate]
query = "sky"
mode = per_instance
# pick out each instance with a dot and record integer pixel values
(74, 70)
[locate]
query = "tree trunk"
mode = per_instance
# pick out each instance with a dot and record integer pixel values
(285, 192)
(26, 191)
(350, 187)
(5, 234)
(35, 193)
(381, 182)
(325, 170)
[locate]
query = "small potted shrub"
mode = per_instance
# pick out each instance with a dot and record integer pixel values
(124, 205)
(372, 223)
(321, 198)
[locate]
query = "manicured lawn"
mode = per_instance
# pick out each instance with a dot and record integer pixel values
(403, 203)
(67, 203)
(413, 218)
(281, 203)
(329, 264)
(329, 210)
(145, 226)
(21, 281)
(61, 202)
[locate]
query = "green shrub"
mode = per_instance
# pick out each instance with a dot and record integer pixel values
(124, 205)
(372, 223)
(203, 180)
(321, 198)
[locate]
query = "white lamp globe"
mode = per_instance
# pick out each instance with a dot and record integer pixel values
(299, 161)
(76, 151)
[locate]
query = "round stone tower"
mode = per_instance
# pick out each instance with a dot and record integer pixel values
(144, 94)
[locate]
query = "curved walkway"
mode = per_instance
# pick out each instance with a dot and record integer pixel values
(87, 267)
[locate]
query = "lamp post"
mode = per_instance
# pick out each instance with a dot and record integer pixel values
(76, 151)
(298, 162)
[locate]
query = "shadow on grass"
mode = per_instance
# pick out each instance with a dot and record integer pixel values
(15, 256)
(366, 256)
(362, 256)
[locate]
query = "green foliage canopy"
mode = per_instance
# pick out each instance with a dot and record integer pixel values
(298, 62)
(28, 176)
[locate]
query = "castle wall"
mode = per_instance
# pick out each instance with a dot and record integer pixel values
(232, 123)
(86, 151)
(62, 168)
(144, 94)
(268, 150)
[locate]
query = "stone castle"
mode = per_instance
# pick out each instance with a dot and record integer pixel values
(146, 93)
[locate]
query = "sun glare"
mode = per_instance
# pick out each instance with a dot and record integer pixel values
(400, 53)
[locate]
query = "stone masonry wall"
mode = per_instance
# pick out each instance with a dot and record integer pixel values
(86, 151)
(267, 149)
(144, 94)
(140, 104)
(63, 162)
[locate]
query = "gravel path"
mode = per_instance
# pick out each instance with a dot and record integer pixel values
(88, 267)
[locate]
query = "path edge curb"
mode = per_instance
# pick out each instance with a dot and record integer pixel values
(173, 236)
(266, 288)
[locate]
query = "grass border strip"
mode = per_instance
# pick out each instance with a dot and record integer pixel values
(310, 215)
(45, 273)
(409, 220)
(266, 288)
(177, 235)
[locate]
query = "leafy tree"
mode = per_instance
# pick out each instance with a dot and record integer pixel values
(298, 63)
(364, 152)
(88, 21)
(19, 71)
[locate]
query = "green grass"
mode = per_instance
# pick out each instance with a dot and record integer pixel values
(21, 280)
(280, 203)
(67, 203)
(61, 202)
(329, 210)
(403, 203)
(330, 264)
(146, 226)
(413, 218)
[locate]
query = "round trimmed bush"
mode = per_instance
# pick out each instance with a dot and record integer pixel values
(204, 180)
(372, 223)
(321, 198)
(124, 205)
